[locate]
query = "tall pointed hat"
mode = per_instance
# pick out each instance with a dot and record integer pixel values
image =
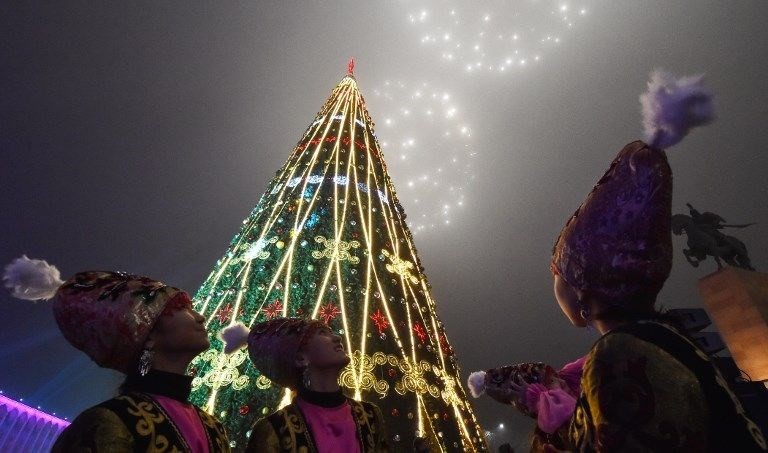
(618, 243)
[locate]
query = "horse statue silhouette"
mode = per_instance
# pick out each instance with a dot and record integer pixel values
(705, 239)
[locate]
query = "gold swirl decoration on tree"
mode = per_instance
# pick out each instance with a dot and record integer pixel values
(223, 371)
(449, 394)
(361, 372)
(400, 266)
(366, 380)
(263, 382)
(336, 250)
(413, 378)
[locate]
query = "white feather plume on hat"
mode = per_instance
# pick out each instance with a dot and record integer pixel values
(476, 383)
(234, 337)
(31, 279)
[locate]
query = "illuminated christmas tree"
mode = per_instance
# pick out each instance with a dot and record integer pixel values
(328, 240)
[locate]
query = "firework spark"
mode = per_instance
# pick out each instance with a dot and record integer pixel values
(428, 148)
(498, 38)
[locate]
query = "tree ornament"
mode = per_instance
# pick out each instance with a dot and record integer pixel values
(380, 320)
(418, 329)
(274, 309)
(328, 312)
(224, 314)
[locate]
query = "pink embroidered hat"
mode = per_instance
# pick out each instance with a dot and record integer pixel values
(618, 243)
(107, 315)
(272, 345)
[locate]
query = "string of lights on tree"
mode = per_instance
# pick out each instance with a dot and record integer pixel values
(329, 240)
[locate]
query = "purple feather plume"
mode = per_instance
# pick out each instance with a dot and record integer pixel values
(672, 107)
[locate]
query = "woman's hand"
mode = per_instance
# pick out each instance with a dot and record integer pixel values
(502, 393)
(517, 389)
(511, 391)
(510, 384)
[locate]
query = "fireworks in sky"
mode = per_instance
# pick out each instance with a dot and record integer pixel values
(425, 135)
(427, 144)
(498, 37)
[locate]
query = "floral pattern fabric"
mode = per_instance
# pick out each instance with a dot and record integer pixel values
(108, 315)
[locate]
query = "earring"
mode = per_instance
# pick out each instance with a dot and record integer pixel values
(305, 379)
(583, 310)
(145, 361)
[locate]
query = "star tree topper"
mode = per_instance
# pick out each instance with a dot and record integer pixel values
(351, 67)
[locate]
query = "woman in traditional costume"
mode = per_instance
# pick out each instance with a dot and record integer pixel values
(142, 328)
(644, 386)
(307, 357)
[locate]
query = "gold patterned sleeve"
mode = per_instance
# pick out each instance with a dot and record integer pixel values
(637, 397)
(96, 430)
(263, 438)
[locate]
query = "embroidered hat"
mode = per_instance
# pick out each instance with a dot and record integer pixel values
(618, 243)
(273, 345)
(108, 315)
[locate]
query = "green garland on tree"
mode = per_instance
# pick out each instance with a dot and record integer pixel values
(328, 240)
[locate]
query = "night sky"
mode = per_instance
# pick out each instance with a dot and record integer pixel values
(137, 136)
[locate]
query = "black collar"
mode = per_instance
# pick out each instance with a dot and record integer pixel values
(172, 385)
(322, 399)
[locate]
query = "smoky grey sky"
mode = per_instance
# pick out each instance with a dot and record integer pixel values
(137, 136)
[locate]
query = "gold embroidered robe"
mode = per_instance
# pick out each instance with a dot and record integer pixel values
(133, 422)
(646, 388)
(286, 430)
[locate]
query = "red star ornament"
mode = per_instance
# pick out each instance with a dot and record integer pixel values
(224, 314)
(328, 312)
(418, 329)
(380, 320)
(274, 309)
(447, 349)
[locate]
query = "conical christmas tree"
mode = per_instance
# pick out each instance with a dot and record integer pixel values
(328, 240)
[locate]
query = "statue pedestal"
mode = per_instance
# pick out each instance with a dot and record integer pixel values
(737, 301)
